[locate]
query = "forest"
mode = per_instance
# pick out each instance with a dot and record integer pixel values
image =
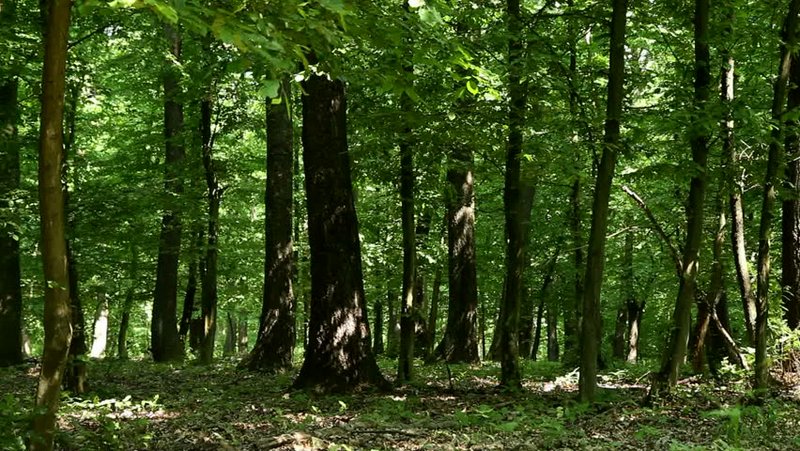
(399, 224)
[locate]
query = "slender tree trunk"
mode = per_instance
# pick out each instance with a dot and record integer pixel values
(393, 335)
(10, 275)
(590, 328)
(377, 339)
(552, 331)
(208, 283)
(675, 352)
(276, 338)
(433, 316)
(339, 353)
(537, 329)
(790, 217)
(406, 356)
(100, 329)
(621, 323)
(241, 336)
(774, 162)
(526, 318)
(124, 326)
(634, 306)
(544, 295)
(191, 283)
(230, 336)
(57, 323)
(164, 342)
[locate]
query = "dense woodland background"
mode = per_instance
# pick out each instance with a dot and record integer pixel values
(309, 185)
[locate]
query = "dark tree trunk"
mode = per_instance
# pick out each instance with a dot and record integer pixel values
(208, 282)
(790, 217)
(393, 333)
(230, 336)
(277, 334)
(191, 284)
(620, 325)
(124, 326)
(675, 352)
(377, 339)
(552, 331)
(57, 321)
(420, 306)
(590, 329)
(774, 162)
(339, 353)
(10, 276)
(164, 342)
(460, 341)
(629, 336)
(433, 315)
(544, 296)
(526, 319)
(241, 336)
(75, 373)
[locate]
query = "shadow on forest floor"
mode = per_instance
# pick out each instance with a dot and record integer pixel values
(141, 405)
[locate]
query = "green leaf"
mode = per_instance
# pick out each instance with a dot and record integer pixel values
(270, 89)
(472, 87)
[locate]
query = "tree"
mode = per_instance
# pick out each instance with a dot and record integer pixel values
(339, 353)
(590, 330)
(790, 207)
(276, 336)
(10, 287)
(164, 342)
(774, 162)
(57, 321)
(699, 138)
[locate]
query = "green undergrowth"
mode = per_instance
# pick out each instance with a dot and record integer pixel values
(141, 405)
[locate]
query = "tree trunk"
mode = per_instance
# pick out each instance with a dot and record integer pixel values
(339, 353)
(675, 352)
(191, 283)
(164, 342)
(393, 334)
(790, 217)
(774, 162)
(590, 329)
(537, 329)
(10, 275)
(433, 315)
(377, 339)
(420, 306)
(241, 335)
(460, 341)
(544, 295)
(230, 336)
(124, 325)
(526, 319)
(100, 329)
(635, 310)
(618, 344)
(552, 331)
(208, 283)
(57, 315)
(276, 338)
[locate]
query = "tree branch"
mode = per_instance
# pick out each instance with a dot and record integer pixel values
(676, 259)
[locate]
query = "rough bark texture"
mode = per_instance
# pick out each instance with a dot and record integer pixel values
(164, 342)
(675, 352)
(339, 353)
(774, 162)
(57, 323)
(790, 210)
(276, 336)
(590, 324)
(10, 288)
(460, 340)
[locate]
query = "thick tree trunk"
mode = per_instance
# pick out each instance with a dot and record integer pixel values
(10, 275)
(100, 328)
(675, 352)
(57, 315)
(790, 217)
(339, 353)
(208, 283)
(460, 341)
(276, 338)
(774, 162)
(164, 342)
(590, 324)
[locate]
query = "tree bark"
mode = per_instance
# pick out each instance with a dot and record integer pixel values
(790, 216)
(230, 336)
(10, 275)
(241, 336)
(460, 341)
(57, 315)
(537, 329)
(100, 329)
(393, 334)
(339, 353)
(675, 352)
(552, 331)
(590, 324)
(277, 334)
(191, 283)
(164, 342)
(433, 315)
(634, 306)
(774, 162)
(377, 339)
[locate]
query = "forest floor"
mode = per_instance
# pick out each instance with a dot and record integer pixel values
(141, 405)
